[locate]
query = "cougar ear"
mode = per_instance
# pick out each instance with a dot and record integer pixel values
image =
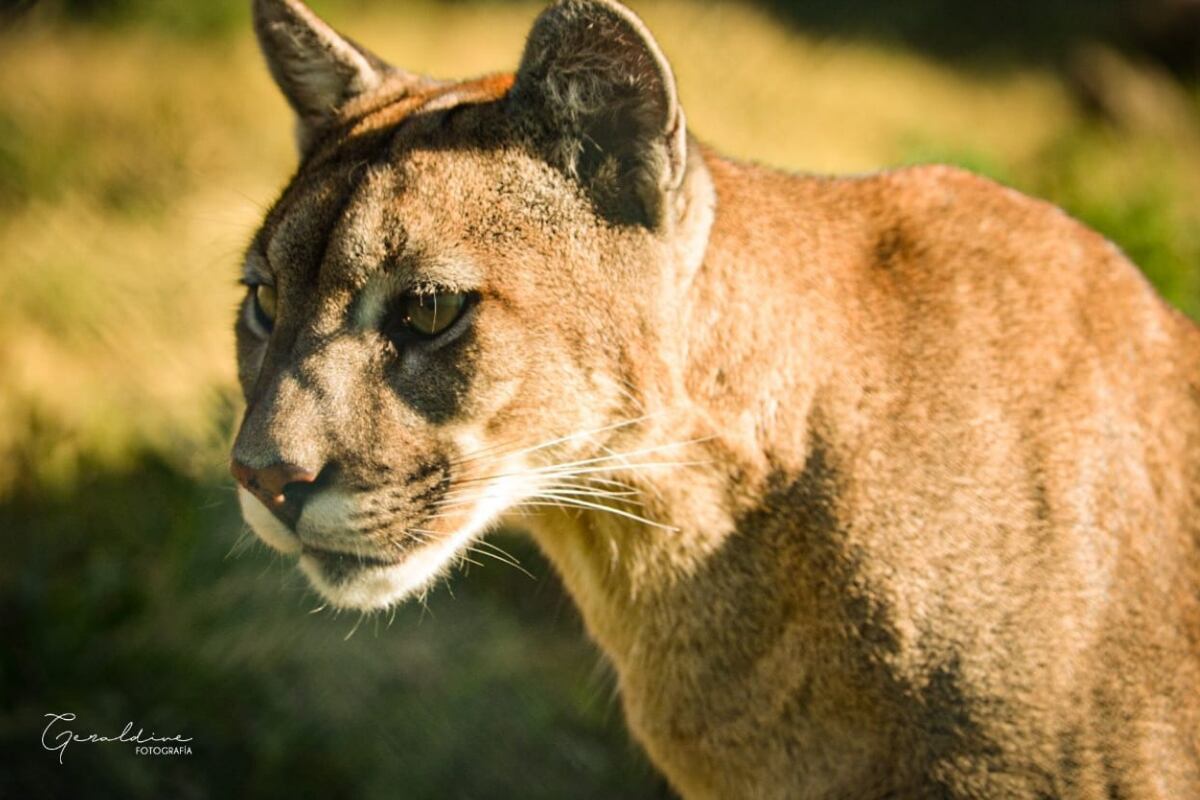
(603, 104)
(317, 69)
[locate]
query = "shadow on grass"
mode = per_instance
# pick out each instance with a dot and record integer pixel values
(120, 602)
(1018, 30)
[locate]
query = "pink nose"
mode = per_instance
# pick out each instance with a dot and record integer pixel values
(271, 485)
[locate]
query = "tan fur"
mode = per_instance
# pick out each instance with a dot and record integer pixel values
(914, 459)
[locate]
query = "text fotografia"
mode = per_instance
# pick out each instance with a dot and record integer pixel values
(56, 736)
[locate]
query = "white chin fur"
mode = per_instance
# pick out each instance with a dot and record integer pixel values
(265, 525)
(381, 586)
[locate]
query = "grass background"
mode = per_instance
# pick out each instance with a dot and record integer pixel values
(139, 144)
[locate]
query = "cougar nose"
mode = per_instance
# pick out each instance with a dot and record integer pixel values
(282, 488)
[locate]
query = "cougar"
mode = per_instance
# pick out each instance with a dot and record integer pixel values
(872, 487)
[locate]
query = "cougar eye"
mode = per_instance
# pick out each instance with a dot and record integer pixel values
(264, 306)
(430, 314)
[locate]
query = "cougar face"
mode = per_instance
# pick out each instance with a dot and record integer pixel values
(412, 342)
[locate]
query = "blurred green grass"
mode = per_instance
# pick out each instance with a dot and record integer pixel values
(139, 144)
(138, 614)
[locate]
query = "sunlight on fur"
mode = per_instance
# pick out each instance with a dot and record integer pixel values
(816, 457)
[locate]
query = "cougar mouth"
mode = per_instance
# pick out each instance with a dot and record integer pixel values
(367, 582)
(368, 550)
(339, 566)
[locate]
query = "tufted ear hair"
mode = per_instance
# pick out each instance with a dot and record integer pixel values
(602, 102)
(317, 69)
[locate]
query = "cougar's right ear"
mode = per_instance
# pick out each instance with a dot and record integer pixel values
(318, 69)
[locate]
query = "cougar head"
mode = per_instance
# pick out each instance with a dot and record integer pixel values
(463, 300)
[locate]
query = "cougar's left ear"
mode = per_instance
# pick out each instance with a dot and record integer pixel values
(601, 100)
(317, 68)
